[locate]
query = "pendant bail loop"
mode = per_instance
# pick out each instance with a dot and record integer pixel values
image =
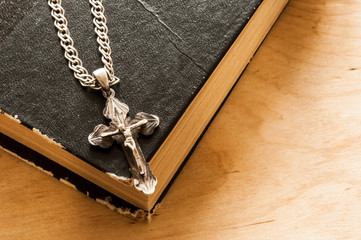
(101, 75)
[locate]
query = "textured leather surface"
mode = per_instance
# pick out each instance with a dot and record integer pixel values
(163, 52)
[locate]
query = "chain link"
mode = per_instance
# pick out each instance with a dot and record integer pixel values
(71, 54)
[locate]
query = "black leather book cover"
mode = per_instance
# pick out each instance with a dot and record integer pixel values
(163, 52)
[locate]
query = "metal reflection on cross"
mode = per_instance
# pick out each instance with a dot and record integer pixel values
(125, 131)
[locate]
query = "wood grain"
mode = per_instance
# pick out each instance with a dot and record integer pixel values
(282, 159)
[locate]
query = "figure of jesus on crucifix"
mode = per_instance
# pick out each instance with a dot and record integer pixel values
(124, 131)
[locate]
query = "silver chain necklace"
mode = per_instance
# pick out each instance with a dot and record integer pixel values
(121, 129)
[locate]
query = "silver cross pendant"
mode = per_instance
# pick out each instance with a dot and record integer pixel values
(125, 131)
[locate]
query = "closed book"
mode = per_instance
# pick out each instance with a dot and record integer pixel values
(175, 59)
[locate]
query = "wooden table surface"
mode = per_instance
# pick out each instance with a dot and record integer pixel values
(282, 159)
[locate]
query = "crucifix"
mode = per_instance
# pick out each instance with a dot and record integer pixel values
(121, 129)
(125, 131)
